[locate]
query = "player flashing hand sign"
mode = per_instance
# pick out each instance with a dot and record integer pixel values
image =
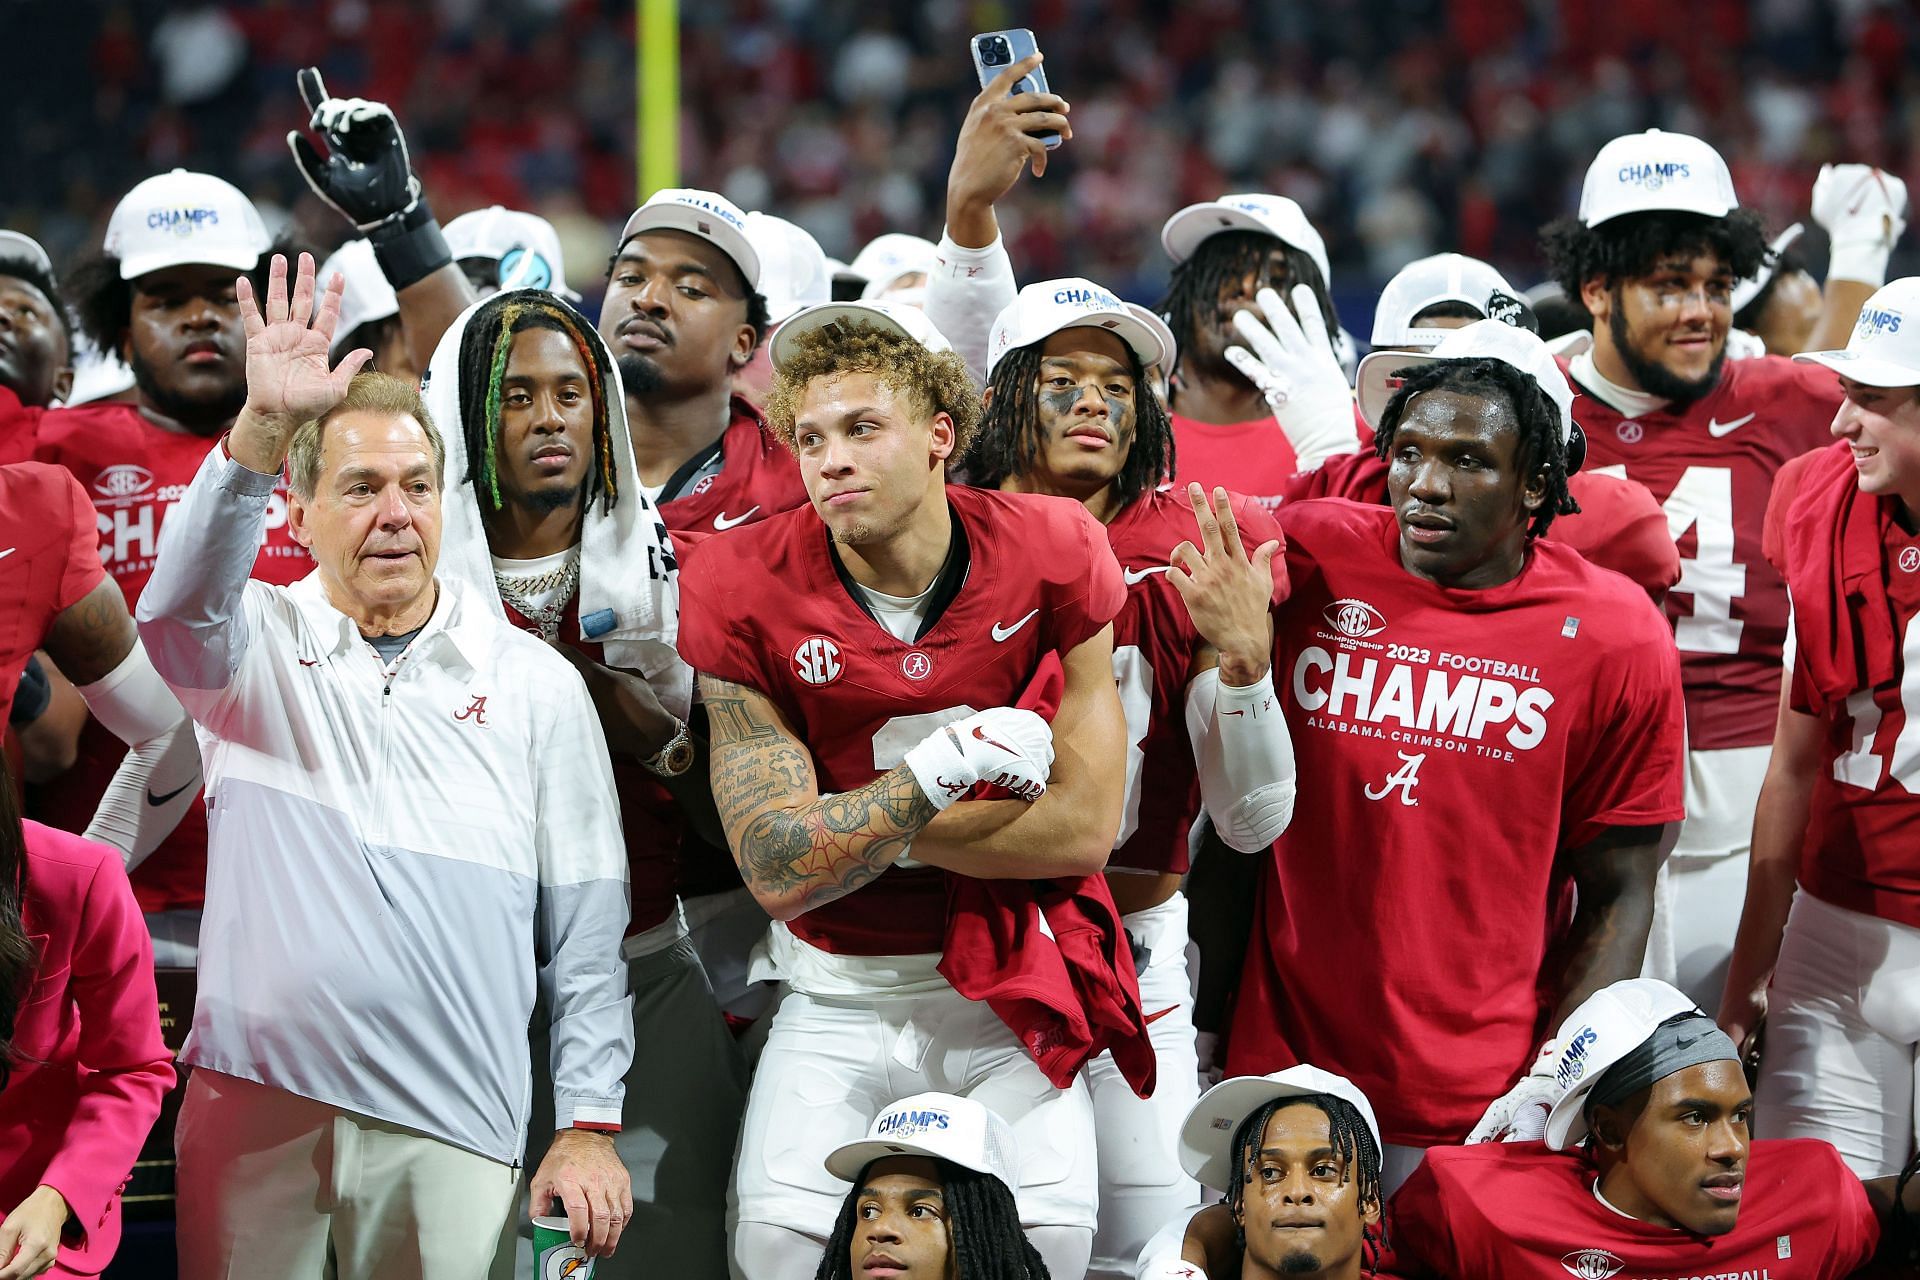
(1227, 592)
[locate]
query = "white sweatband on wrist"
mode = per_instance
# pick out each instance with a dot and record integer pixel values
(132, 701)
(1244, 755)
(940, 767)
(966, 291)
(1864, 261)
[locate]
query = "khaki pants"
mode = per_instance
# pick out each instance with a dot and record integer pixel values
(274, 1184)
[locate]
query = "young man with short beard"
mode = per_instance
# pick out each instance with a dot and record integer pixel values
(916, 631)
(1653, 255)
(1297, 1154)
(542, 513)
(161, 294)
(1649, 1169)
(1069, 413)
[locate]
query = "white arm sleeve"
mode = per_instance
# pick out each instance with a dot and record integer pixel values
(159, 779)
(966, 291)
(1162, 1256)
(1245, 758)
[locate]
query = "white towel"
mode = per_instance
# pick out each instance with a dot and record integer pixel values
(629, 581)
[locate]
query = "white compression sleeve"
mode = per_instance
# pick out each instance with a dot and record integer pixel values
(966, 291)
(158, 781)
(1245, 758)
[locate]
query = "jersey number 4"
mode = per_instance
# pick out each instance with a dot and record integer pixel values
(1703, 502)
(1861, 766)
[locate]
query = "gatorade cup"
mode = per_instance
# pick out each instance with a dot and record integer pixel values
(555, 1255)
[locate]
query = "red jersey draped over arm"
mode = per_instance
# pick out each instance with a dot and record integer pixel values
(1154, 643)
(764, 607)
(134, 472)
(1860, 850)
(1521, 1212)
(1450, 744)
(758, 477)
(1711, 465)
(51, 559)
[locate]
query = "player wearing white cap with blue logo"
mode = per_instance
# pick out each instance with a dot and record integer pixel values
(160, 294)
(1297, 1155)
(1070, 413)
(1649, 1168)
(501, 248)
(1654, 255)
(1829, 944)
(932, 1197)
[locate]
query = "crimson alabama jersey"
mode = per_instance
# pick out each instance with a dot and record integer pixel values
(49, 559)
(1619, 526)
(1519, 1211)
(1862, 848)
(757, 477)
(765, 607)
(1450, 744)
(1154, 642)
(1711, 466)
(135, 471)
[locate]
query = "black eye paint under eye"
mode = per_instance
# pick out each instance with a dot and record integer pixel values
(1060, 401)
(1119, 408)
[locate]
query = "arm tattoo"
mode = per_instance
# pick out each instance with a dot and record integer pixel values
(789, 841)
(93, 635)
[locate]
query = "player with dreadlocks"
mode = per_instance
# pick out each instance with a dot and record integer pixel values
(1298, 1155)
(543, 510)
(1225, 252)
(932, 1197)
(1069, 413)
(1653, 254)
(1438, 658)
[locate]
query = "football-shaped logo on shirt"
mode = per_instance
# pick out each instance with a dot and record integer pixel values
(817, 660)
(1354, 619)
(1592, 1264)
(123, 481)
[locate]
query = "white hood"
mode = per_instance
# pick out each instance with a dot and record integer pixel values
(629, 582)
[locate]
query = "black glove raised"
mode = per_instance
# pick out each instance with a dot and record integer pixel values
(367, 176)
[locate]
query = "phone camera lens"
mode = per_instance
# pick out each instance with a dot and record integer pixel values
(995, 51)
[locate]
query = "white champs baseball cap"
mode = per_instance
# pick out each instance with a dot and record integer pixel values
(706, 214)
(1043, 309)
(524, 244)
(16, 246)
(794, 271)
(941, 1126)
(367, 297)
(1206, 1135)
(886, 258)
(1275, 216)
(1749, 289)
(897, 317)
(1884, 350)
(1656, 170)
(184, 217)
(1427, 282)
(1483, 339)
(1608, 1025)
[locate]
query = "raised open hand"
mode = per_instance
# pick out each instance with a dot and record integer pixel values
(290, 379)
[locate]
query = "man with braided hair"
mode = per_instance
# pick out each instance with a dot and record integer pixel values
(932, 1197)
(544, 515)
(1069, 412)
(917, 623)
(1437, 658)
(1298, 1155)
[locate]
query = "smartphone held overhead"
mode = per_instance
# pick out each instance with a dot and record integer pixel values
(995, 51)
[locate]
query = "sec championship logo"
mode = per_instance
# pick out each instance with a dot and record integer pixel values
(817, 660)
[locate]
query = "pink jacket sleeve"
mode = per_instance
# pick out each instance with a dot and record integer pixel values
(128, 1068)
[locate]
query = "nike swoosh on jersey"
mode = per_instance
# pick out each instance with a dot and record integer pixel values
(1001, 633)
(1134, 576)
(9, 551)
(157, 801)
(1717, 428)
(723, 521)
